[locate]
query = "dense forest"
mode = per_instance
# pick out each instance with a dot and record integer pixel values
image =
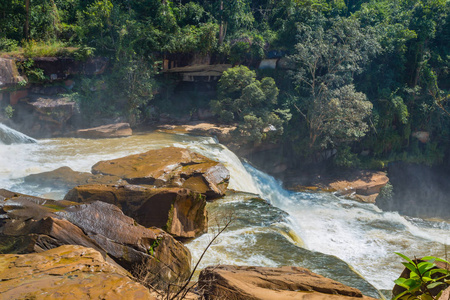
(368, 78)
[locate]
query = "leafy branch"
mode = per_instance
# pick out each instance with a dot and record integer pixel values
(424, 276)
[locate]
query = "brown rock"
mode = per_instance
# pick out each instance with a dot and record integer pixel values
(106, 131)
(222, 132)
(179, 211)
(128, 243)
(361, 185)
(56, 109)
(445, 294)
(32, 224)
(15, 96)
(66, 272)
(9, 75)
(66, 177)
(169, 167)
(254, 283)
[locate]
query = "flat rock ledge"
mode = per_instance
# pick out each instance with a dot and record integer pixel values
(106, 131)
(262, 283)
(362, 185)
(68, 178)
(170, 167)
(66, 272)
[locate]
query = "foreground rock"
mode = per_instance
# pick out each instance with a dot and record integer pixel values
(360, 185)
(106, 131)
(254, 283)
(170, 167)
(66, 272)
(180, 212)
(68, 178)
(32, 224)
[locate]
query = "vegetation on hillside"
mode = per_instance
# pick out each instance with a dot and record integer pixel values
(365, 76)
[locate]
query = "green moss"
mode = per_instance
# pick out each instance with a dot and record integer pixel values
(170, 219)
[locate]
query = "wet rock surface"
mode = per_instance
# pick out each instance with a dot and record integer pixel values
(170, 167)
(66, 177)
(66, 272)
(106, 131)
(236, 282)
(32, 224)
(361, 185)
(222, 132)
(180, 212)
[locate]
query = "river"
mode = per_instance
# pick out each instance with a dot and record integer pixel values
(271, 226)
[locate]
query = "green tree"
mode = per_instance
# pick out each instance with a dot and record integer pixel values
(328, 56)
(251, 103)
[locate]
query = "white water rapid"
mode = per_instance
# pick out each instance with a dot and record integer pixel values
(329, 235)
(11, 136)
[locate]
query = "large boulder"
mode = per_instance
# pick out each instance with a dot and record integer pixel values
(262, 283)
(66, 177)
(57, 110)
(106, 131)
(170, 166)
(66, 272)
(32, 224)
(128, 243)
(180, 212)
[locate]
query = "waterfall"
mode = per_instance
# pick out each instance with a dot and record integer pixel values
(319, 231)
(10, 136)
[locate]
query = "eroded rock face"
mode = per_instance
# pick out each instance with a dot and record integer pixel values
(170, 167)
(66, 272)
(235, 282)
(127, 242)
(66, 177)
(180, 212)
(32, 224)
(57, 110)
(106, 131)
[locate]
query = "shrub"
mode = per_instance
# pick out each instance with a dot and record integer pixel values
(423, 278)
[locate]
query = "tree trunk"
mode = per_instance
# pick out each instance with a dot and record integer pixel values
(27, 18)
(221, 35)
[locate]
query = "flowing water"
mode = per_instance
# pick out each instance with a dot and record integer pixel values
(332, 236)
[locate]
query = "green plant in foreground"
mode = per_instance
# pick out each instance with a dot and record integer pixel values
(424, 276)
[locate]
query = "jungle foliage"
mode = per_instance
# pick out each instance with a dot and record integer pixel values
(368, 76)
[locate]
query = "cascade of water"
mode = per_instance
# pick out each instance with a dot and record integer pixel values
(10, 136)
(358, 233)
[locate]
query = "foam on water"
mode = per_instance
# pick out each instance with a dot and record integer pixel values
(358, 233)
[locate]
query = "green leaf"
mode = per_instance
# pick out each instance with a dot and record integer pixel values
(405, 258)
(400, 295)
(431, 259)
(442, 271)
(435, 284)
(411, 267)
(425, 266)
